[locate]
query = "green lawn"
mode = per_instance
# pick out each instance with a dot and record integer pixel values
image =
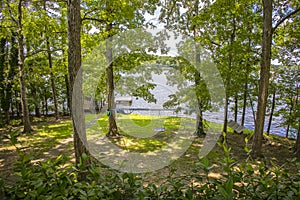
(142, 133)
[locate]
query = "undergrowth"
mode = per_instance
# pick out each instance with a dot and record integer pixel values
(58, 179)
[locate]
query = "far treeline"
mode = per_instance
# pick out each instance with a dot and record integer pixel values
(44, 43)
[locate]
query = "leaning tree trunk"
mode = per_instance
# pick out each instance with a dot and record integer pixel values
(74, 64)
(264, 78)
(21, 59)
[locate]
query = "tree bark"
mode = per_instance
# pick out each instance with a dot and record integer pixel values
(113, 129)
(45, 102)
(264, 78)
(2, 61)
(51, 72)
(68, 92)
(17, 103)
(52, 79)
(12, 56)
(235, 108)
(36, 102)
(197, 78)
(74, 64)
(297, 145)
(225, 114)
(271, 111)
(244, 103)
(199, 114)
(21, 59)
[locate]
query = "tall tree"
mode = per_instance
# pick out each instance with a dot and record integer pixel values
(184, 22)
(74, 64)
(21, 60)
(2, 64)
(265, 73)
(225, 32)
(111, 17)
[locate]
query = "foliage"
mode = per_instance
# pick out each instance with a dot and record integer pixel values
(57, 179)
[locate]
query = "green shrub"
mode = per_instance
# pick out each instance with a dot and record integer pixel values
(56, 179)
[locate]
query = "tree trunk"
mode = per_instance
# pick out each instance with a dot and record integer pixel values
(199, 123)
(68, 92)
(2, 65)
(264, 78)
(199, 114)
(225, 115)
(52, 79)
(96, 106)
(113, 129)
(13, 68)
(36, 102)
(228, 84)
(45, 102)
(17, 104)
(51, 72)
(287, 131)
(252, 108)
(244, 103)
(235, 108)
(271, 111)
(197, 78)
(21, 59)
(74, 64)
(297, 145)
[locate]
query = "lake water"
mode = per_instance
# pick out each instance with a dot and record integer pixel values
(163, 90)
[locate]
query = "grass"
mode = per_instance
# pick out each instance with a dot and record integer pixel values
(48, 136)
(139, 132)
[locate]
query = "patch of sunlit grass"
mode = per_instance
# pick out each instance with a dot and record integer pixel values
(140, 133)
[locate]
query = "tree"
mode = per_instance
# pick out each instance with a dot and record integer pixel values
(110, 18)
(273, 101)
(297, 145)
(74, 64)
(184, 22)
(289, 94)
(21, 60)
(52, 76)
(265, 73)
(227, 32)
(2, 64)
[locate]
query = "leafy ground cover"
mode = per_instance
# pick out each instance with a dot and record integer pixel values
(45, 159)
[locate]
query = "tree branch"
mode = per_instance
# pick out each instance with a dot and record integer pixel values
(93, 19)
(10, 13)
(42, 50)
(285, 18)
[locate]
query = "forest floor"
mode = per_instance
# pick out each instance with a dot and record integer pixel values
(51, 138)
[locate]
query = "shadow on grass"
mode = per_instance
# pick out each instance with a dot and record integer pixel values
(48, 140)
(140, 133)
